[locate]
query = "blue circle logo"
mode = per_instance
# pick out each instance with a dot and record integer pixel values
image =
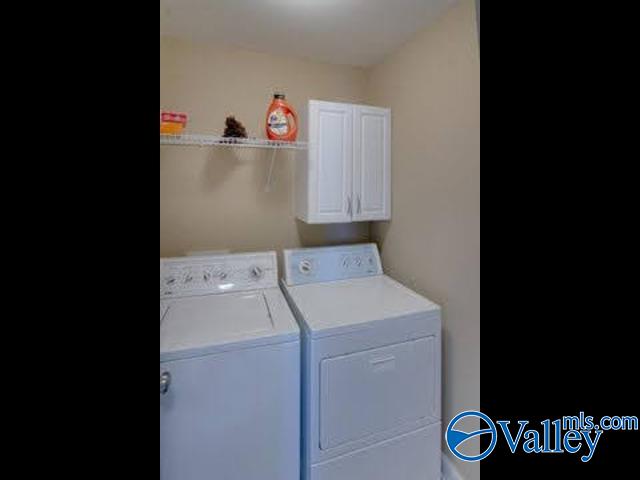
(455, 438)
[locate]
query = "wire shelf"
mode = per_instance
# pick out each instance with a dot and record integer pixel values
(198, 140)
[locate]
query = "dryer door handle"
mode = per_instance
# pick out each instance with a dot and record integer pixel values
(386, 362)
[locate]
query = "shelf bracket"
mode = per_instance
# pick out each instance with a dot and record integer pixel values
(269, 184)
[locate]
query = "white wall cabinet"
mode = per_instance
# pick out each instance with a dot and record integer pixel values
(346, 174)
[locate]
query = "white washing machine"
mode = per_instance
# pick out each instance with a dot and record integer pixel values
(229, 371)
(371, 359)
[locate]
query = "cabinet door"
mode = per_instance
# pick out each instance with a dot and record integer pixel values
(372, 163)
(330, 162)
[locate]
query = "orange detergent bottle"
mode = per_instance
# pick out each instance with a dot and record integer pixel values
(282, 121)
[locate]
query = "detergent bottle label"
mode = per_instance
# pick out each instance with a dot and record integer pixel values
(278, 123)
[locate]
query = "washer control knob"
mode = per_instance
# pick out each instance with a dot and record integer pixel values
(305, 267)
(256, 273)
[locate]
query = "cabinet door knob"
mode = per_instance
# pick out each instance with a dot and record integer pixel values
(359, 205)
(349, 204)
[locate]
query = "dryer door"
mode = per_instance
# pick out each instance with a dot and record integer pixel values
(369, 392)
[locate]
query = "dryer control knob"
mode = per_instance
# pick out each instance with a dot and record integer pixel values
(305, 267)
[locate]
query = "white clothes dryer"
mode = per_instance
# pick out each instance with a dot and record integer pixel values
(371, 360)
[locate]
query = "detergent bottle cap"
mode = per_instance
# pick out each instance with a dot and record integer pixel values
(278, 95)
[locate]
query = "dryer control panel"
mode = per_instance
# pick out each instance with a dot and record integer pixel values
(326, 264)
(188, 276)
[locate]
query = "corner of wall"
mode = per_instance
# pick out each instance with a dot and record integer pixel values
(449, 471)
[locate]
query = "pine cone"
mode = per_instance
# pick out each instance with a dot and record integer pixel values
(234, 128)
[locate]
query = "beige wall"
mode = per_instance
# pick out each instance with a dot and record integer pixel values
(432, 244)
(214, 198)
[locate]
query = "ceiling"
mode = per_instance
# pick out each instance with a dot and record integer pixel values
(352, 32)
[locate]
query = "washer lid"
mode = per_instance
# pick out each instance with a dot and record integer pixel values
(329, 308)
(195, 326)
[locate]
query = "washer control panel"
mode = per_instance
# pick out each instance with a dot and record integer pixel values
(187, 276)
(326, 264)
